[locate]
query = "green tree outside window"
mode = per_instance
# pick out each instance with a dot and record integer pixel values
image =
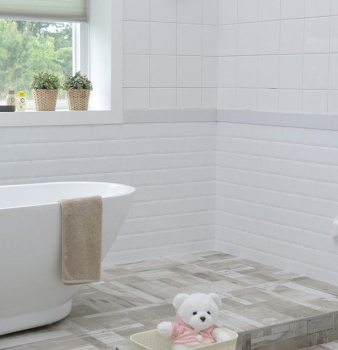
(26, 47)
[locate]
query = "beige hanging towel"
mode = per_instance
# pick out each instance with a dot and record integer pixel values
(81, 240)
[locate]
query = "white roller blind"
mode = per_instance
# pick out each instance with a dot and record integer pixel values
(60, 10)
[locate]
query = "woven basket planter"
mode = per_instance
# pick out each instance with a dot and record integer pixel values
(45, 100)
(78, 100)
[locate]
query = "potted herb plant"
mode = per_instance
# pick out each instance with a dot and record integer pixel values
(45, 90)
(78, 89)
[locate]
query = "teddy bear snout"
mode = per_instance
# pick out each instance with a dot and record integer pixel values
(202, 319)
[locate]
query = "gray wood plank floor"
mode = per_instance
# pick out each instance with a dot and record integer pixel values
(135, 297)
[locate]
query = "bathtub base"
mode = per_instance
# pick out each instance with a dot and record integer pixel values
(36, 319)
(32, 292)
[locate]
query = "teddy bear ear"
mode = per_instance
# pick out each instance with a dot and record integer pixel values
(216, 298)
(179, 300)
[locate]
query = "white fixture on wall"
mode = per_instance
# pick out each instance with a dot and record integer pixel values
(334, 230)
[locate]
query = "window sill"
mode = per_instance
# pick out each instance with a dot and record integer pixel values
(59, 117)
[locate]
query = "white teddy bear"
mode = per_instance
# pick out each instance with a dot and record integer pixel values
(197, 315)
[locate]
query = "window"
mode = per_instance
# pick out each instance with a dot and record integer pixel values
(96, 51)
(31, 42)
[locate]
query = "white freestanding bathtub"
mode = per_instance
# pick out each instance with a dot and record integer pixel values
(32, 293)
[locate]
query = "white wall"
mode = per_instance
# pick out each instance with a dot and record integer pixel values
(277, 191)
(279, 55)
(170, 60)
(277, 195)
(274, 55)
(171, 165)
(170, 54)
(277, 187)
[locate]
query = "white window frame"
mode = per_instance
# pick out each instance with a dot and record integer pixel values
(80, 48)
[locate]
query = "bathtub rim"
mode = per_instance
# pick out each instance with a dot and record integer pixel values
(129, 191)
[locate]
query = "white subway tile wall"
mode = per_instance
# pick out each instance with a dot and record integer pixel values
(277, 195)
(172, 166)
(286, 47)
(277, 187)
(170, 54)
